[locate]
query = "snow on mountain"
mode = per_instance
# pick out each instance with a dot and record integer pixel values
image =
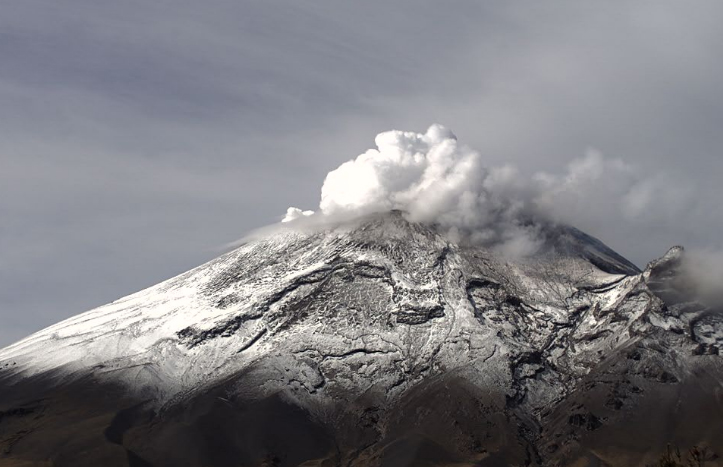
(173, 333)
(383, 332)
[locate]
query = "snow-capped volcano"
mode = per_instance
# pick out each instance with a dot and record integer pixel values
(376, 341)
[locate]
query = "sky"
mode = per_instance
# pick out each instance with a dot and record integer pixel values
(139, 138)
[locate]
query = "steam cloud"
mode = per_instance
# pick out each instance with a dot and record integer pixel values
(705, 269)
(295, 213)
(434, 178)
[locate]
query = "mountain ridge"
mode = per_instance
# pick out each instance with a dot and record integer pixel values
(388, 322)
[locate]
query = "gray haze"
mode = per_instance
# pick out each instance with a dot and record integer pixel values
(139, 137)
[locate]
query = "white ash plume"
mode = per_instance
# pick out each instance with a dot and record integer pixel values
(434, 178)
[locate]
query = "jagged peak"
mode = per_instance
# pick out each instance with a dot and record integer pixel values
(671, 259)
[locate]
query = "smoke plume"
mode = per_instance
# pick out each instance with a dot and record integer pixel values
(705, 269)
(434, 178)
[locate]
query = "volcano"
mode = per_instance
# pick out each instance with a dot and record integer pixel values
(377, 341)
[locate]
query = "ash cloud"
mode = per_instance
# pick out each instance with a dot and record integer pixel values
(434, 178)
(704, 267)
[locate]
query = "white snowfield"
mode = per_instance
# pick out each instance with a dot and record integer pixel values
(379, 302)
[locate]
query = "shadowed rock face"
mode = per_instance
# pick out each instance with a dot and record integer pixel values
(376, 343)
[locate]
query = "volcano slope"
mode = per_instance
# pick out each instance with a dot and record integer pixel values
(376, 342)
